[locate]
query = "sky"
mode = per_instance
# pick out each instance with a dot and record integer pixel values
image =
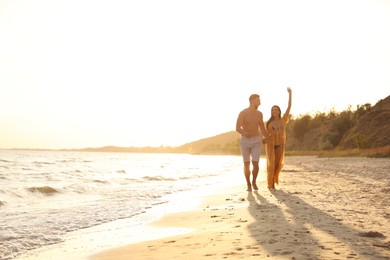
(92, 73)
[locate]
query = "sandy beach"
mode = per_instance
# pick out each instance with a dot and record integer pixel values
(324, 208)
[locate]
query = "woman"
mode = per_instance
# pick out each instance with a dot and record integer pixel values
(276, 127)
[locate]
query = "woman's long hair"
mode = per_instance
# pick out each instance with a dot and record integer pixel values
(272, 118)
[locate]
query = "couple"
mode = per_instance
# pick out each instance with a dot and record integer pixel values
(249, 121)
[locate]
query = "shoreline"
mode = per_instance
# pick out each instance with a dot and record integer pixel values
(324, 209)
(81, 243)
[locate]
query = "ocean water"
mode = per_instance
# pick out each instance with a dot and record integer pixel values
(45, 195)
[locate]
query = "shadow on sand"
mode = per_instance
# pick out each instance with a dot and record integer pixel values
(287, 227)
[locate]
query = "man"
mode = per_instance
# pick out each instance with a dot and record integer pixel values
(248, 123)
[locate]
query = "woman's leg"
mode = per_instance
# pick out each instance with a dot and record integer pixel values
(278, 156)
(270, 169)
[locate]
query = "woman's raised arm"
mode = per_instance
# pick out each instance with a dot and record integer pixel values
(289, 101)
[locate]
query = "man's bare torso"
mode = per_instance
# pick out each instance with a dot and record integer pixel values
(250, 121)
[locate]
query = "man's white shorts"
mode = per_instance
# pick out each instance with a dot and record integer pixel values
(250, 147)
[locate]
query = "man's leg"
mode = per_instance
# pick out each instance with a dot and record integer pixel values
(246, 154)
(255, 172)
(247, 173)
(255, 162)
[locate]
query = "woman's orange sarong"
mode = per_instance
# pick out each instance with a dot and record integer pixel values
(273, 171)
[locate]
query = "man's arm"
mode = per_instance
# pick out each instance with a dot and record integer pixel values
(239, 124)
(263, 130)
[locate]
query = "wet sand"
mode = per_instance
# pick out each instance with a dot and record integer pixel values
(324, 208)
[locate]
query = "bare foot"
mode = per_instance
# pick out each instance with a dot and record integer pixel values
(272, 188)
(254, 186)
(249, 188)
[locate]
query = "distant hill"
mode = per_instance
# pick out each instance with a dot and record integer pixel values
(367, 127)
(226, 143)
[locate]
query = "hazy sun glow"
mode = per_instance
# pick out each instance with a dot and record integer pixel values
(135, 73)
